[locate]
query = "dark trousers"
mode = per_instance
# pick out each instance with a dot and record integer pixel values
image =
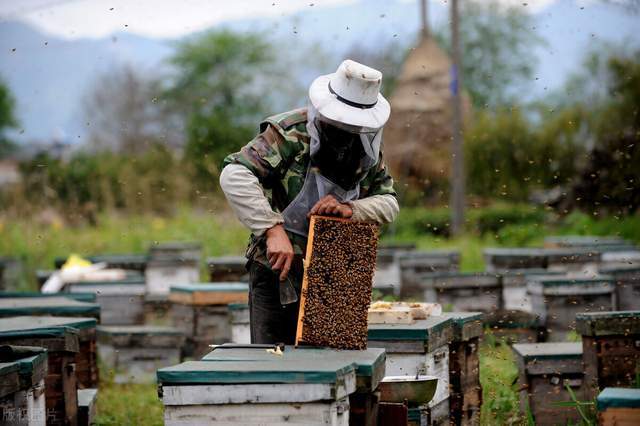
(271, 322)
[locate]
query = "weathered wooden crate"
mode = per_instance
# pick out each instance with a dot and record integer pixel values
(121, 301)
(611, 345)
(22, 380)
(228, 269)
(514, 326)
(257, 392)
(559, 299)
(619, 407)
(157, 309)
(506, 259)
(56, 305)
(161, 273)
(62, 346)
(87, 399)
(465, 397)
(200, 311)
(461, 291)
(545, 369)
(627, 282)
(240, 323)
(514, 287)
(134, 353)
(86, 358)
(370, 369)
(418, 348)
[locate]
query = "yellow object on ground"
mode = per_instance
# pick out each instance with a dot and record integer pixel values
(75, 261)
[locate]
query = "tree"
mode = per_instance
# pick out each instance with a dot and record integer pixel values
(498, 45)
(7, 119)
(125, 113)
(223, 85)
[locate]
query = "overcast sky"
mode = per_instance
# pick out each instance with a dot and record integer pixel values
(162, 19)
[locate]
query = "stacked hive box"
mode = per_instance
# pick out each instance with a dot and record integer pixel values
(508, 259)
(625, 258)
(134, 353)
(545, 370)
(515, 326)
(51, 306)
(462, 291)
(464, 368)
(239, 320)
(227, 269)
(611, 346)
(606, 243)
(22, 384)
(387, 274)
(627, 282)
(62, 345)
(258, 392)
(559, 299)
(619, 407)
(369, 363)
(572, 259)
(121, 301)
(514, 287)
(424, 262)
(200, 311)
(157, 309)
(419, 348)
(172, 263)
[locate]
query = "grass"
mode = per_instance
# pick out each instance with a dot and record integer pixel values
(131, 404)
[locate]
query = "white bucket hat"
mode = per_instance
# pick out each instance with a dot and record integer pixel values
(351, 96)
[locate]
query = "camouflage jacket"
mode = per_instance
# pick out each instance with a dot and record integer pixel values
(279, 157)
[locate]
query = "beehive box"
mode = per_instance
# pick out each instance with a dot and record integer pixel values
(121, 301)
(128, 262)
(200, 311)
(336, 287)
(559, 299)
(86, 359)
(61, 343)
(506, 259)
(257, 392)
(619, 407)
(10, 272)
(80, 297)
(157, 309)
(514, 287)
(240, 325)
(625, 258)
(134, 353)
(627, 282)
(51, 306)
(611, 345)
(369, 364)
(172, 262)
(545, 369)
(465, 397)
(418, 348)
(515, 326)
(572, 259)
(22, 384)
(607, 243)
(462, 291)
(87, 399)
(227, 269)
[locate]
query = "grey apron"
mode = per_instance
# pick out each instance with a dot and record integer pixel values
(314, 188)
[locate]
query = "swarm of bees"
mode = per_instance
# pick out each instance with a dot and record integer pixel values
(339, 277)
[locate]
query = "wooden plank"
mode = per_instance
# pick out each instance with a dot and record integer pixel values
(209, 298)
(619, 417)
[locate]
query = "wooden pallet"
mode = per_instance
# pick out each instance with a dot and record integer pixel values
(338, 316)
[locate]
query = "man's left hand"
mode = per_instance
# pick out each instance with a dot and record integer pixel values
(329, 206)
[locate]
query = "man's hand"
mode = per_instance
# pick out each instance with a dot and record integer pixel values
(329, 206)
(279, 250)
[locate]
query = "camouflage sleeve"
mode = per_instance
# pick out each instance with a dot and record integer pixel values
(378, 181)
(262, 156)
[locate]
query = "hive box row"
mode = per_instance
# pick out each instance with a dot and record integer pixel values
(608, 356)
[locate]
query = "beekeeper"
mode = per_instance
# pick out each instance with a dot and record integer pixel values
(325, 159)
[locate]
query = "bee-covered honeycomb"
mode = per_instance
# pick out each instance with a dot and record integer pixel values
(338, 281)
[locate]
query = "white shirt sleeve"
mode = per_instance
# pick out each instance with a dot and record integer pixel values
(377, 208)
(246, 197)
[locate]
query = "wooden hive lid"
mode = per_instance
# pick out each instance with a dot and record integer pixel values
(618, 398)
(466, 325)
(532, 352)
(223, 262)
(456, 279)
(220, 293)
(54, 305)
(608, 323)
(140, 336)
(80, 297)
(51, 335)
(432, 332)
(256, 372)
(31, 362)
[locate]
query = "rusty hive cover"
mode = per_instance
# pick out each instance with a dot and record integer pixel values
(336, 288)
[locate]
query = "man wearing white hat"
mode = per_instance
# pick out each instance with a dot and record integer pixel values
(324, 159)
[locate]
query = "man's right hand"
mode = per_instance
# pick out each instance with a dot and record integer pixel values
(279, 250)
